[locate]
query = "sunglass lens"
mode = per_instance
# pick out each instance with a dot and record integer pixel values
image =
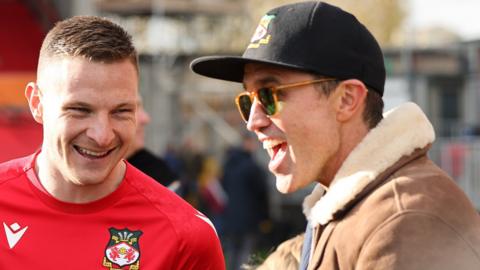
(244, 105)
(265, 95)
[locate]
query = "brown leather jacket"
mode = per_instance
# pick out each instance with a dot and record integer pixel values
(390, 207)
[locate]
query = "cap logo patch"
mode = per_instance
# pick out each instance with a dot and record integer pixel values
(261, 36)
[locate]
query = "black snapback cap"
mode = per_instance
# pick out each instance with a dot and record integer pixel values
(309, 36)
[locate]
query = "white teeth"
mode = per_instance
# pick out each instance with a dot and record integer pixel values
(91, 153)
(268, 144)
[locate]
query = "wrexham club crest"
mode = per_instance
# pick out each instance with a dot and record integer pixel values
(123, 250)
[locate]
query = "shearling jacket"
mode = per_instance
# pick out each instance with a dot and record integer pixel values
(390, 207)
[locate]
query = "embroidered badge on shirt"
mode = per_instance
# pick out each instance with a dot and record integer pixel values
(122, 250)
(261, 36)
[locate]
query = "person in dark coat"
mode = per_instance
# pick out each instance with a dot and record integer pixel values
(244, 182)
(145, 160)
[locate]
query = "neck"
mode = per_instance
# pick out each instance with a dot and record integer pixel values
(351, 134)
(69, 190)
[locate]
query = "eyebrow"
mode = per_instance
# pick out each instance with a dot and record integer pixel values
(263, 81)
(127, 104)
(83, 104)
(76, 103)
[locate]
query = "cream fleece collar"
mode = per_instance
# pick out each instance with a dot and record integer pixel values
(403, 130)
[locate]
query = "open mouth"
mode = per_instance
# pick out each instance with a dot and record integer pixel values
(92, 154)
(277, 150)
(273, 146)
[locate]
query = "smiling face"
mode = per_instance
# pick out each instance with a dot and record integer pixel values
(303, 139)
(88, 114)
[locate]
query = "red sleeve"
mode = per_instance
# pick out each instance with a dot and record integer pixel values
(200, 248)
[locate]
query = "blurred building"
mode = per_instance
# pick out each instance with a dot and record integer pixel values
(445, 81)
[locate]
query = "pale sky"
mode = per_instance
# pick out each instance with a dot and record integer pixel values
(460, 16)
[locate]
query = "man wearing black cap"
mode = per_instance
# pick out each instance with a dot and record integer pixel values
(314, 79)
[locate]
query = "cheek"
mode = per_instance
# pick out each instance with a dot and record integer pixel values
(53, 128)
(127, 131)
(312, 135)
(304, 144)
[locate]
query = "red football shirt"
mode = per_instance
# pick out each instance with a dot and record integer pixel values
(141, 225)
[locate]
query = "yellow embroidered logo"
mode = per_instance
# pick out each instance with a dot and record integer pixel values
(261, 36)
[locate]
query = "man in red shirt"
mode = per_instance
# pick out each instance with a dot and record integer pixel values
(76, 204)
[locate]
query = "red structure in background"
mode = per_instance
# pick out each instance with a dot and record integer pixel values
(21, 35)
(20, 135)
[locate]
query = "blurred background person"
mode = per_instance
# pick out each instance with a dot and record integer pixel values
(246, 211)
(212, 196)
(152, 165)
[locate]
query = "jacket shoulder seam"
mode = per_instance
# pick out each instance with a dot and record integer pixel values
(396, 194)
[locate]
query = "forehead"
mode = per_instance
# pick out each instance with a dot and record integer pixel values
(74, 77)
(77, 70)
(256, 73)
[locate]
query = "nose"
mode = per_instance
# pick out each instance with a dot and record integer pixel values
(101, 131)
(258, 119)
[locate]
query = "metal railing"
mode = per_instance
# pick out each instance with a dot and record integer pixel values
(460, 158)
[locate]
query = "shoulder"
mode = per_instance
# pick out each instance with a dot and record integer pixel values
(13, 168)
(286, 256)
(419, 186)
(420, 194)
(425, 187)
(199, 245)
(159, 197)
(197, 239)
(398, 241)
(419, 206)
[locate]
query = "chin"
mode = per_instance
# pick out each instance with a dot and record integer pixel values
(284, 183)
(289, 184)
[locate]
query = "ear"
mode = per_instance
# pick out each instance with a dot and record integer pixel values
(351, 100)
(33, 95)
